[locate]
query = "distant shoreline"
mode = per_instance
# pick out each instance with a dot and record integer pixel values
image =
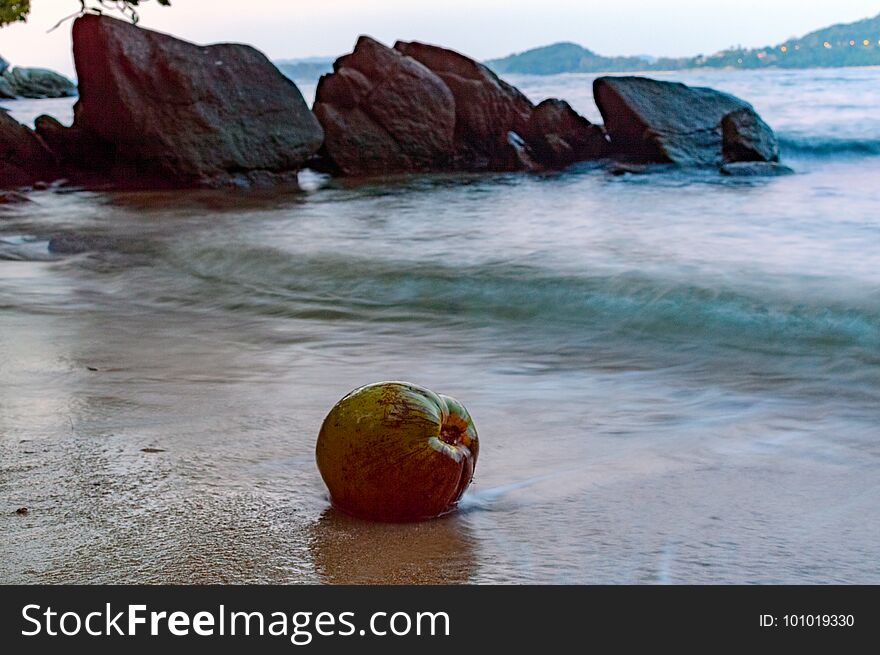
(645, 73)
(850, 45)
(648, 73)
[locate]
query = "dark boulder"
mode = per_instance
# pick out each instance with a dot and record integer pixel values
(487, 108)
(559, 136)
(88, 159)
(668, 122)
(156, 111)
(747, 138)
(6, 90)
(383, 112)
(418, 107)
(24, 158)
(33, 83)
(38, 83)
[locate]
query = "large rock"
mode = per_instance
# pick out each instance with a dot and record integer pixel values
(38, 83)
(383, 112)
(558, 136)
(6, 90)
(487, 109)
(155, 111)
(24, 158)
(417, 107)
(652, 121)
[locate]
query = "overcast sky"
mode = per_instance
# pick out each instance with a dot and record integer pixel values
(480, 28)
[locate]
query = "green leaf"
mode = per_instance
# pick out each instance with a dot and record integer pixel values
(13, 11)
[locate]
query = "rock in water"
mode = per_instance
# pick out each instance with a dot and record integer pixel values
(24, 158)
(487, 109)
(755, 169)
(747, 138)
(668, 122)
(6, 90)
(418, 107)
(383, 112)
(559, 136)
(156, 111)
(39, 83)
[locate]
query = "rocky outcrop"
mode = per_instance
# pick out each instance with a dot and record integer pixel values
(417, 107)
(6, 90)
(668, 122)
(156, 111)
(33, 83)
(24, 158)
(747, 138)
(487, 109)
(383, 112)
(38, 83)
(559, 136)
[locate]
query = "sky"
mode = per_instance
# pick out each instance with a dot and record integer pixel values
(479, 28)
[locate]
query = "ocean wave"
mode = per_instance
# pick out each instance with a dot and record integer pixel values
(24, 248)
(633, 305)
(828, 147)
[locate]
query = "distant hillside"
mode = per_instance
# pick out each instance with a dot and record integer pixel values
(306, 69)
(852, 44)
(572, 58)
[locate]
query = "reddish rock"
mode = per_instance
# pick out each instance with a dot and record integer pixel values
(383, 112)
(155, 111)
(559, 136)
(24, 158)
(747, 138)
(486, 107)
(418, 107)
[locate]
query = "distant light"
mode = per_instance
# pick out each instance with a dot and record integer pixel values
(784, 49)
(739, 61)
(826, 44)
(866, 42)
(852, 42)
(797, 47)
